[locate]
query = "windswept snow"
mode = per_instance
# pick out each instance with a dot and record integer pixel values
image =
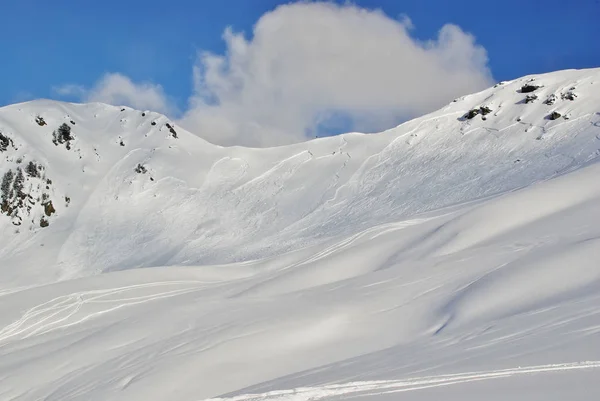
(448, 257)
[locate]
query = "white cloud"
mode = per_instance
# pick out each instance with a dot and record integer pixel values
(306, 60)
(119, 90)
(304, 65)
(70, 90)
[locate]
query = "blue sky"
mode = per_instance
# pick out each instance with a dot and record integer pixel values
(48, 44)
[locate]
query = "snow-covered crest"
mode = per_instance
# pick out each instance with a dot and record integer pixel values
(131, 189)
(463, 243)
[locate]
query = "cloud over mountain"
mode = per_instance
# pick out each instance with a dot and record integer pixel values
(307, 65)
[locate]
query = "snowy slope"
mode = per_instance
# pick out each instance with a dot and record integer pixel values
(210, 205)
(447, 252)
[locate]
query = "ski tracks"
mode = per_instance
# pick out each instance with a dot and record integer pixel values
(380, 387)
(368, 234)
(64, 311)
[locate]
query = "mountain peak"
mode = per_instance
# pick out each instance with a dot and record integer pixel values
(138, 263)
(94, 178)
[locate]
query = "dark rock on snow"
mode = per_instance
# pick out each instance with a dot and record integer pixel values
(471, 114)
(530, 98)
(554, 115)
(527, 88)
(551, 100)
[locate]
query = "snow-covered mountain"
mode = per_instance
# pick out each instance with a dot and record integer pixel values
(462, 241)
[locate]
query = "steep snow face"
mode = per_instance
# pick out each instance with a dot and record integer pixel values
(125, 188)
(457, 253)
(494, 299)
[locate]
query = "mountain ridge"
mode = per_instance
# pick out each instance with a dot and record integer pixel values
(293, 196)
(454, 250)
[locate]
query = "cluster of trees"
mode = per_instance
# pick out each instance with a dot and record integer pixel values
(15, 201)
(11, 191)
(63, 135)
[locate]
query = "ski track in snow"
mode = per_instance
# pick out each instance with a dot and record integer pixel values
(369, 233)
(329, 253)
(57, 313)
(381, 387)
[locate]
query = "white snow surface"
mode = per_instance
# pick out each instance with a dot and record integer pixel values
(447, 258)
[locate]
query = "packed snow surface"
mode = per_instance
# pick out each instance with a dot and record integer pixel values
(454, 257)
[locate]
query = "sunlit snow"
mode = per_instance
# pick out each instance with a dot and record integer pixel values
(448, 258)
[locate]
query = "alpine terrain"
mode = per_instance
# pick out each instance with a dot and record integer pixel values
(454, 257)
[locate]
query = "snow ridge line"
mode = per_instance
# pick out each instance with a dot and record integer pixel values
(378, 387)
